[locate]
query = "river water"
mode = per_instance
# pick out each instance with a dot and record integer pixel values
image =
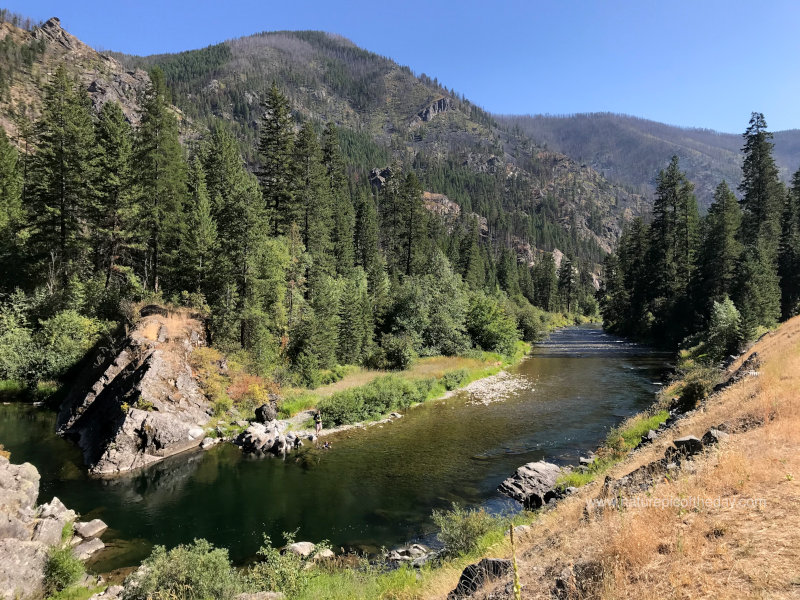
(375, 487)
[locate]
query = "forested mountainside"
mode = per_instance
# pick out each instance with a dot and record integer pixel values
(630, 151)
(386, 114)
(301, 256)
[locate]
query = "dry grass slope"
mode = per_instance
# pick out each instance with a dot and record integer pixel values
(734, 528)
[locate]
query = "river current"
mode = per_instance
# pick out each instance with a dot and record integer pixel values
(375, 487)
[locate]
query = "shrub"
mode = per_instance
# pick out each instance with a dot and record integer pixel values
(187, 572)
(461, 530)
(373, 400)
(287, 573)
(61, 570)
(724, 334)
(698, 383)
(64, 339)
(454, 379)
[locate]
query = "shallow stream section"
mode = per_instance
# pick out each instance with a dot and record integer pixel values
(375, 487)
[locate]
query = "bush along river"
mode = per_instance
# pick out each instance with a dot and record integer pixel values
(375, 487)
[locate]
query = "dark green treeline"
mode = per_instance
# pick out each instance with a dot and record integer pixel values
(680, 275)
(300, 264)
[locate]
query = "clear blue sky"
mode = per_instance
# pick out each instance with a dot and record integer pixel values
(701, 63)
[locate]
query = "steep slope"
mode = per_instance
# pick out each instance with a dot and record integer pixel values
(530, 197)
(31, 56)
(630, 151)
(388, 114)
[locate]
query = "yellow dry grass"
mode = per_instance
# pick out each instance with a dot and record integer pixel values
(737, 534)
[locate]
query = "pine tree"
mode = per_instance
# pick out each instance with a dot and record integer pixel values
(414, 223)
(275, 150)
(61, 177)
(758, 289)
(567, 284)
(789, 251)
(356, 331)
(472, 267)
(762, 194)
(200, 237)
(341, 202)
(161, 180)
(115, 208)
(545, 283)
(311, 206)
(11, 215)
(721, 249)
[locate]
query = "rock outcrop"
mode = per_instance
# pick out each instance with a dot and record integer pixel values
(27, 531)
(440, 105)
(476, 575)
(534, 484)
(143, 403)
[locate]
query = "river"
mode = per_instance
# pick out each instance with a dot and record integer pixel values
(375, 487)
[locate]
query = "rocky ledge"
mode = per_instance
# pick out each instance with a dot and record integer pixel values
(533, 484)
(27, 532)
(140, 403)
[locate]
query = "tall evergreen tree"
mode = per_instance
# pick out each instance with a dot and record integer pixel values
(61, 176)
(545, 282)
(11, 215)
(115, 211)
(200, 236)
(311, 206)
(568, 284)
(275, 150)
(789, 251)
(721, 249)
(341, 202)
(758, 291)
(161, 180)
(762, 193)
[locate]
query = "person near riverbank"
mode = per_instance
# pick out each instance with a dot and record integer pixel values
(318, 421)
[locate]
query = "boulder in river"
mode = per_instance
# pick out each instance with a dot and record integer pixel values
(534, 484)
(266, 413)
(142, 402)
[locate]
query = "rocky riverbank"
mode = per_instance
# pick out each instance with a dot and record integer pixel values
(28, 532)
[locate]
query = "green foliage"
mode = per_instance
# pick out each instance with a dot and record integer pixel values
(287, 572)
(196, 571)
(372, 401)
(396, 353)
(461, 529)
(61, 569)
(697, 384)
(724, 333)
(64, 339)
(489, 326)
(455, 379)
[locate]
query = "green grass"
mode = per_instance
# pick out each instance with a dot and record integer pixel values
(77, 593)
(619, 442)
(296, 402)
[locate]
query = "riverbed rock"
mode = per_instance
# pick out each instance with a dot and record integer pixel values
(476, 575)
(85, 549)
(26, 532)
(304, 549)
(323, 555)
(91, 529)
(534, 484)
(142, 403)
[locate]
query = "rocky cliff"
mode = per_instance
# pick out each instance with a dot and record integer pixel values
(141, 403)
(103, 76)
